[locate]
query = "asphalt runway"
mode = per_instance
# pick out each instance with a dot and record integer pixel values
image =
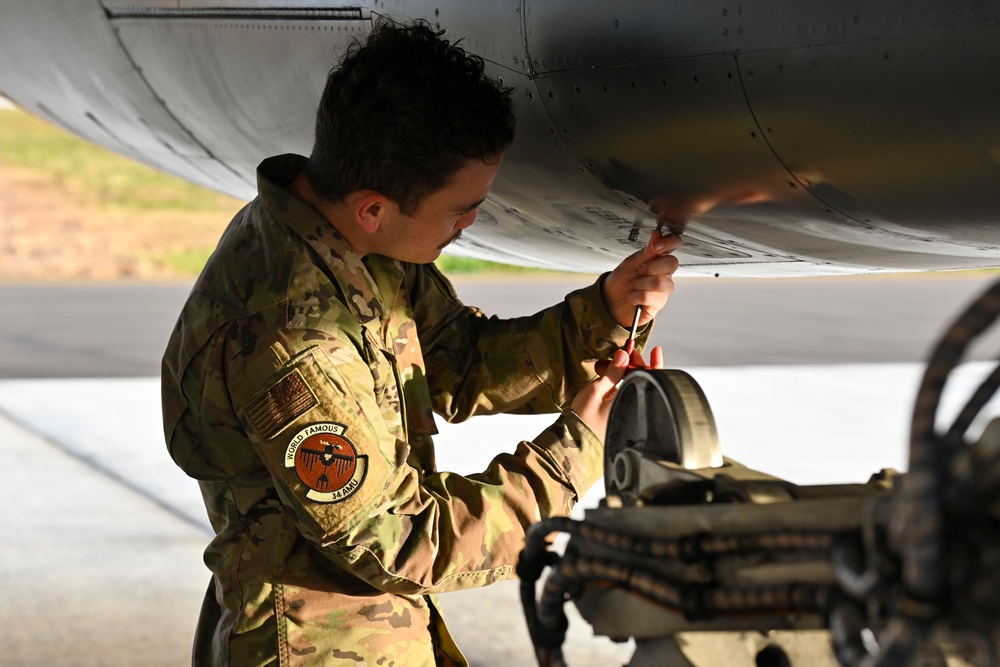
(120, 330)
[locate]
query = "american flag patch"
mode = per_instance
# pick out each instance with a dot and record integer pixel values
(289, 398)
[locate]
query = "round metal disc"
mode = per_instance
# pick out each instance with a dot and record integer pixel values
(664, 414)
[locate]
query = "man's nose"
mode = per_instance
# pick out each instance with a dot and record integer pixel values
(467, 219)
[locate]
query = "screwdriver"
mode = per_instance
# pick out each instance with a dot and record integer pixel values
(629, 346)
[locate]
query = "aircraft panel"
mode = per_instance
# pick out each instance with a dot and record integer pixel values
(246, 87)
(652, 132)
(76, 75)
(619, 33)
(900, 135)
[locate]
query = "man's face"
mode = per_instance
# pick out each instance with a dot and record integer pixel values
(442, 215)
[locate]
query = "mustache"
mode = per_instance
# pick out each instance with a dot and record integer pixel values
(454, 238)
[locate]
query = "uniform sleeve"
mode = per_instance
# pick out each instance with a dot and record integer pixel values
(311, 408)
(478, 364)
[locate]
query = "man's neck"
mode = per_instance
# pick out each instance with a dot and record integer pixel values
(337, 215)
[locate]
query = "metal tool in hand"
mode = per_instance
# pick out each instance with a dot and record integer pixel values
(629, 346)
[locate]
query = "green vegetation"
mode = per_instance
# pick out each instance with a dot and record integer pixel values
(185, 262)
(465, 265)
(95, 175)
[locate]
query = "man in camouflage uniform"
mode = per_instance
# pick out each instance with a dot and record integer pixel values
(300, 380)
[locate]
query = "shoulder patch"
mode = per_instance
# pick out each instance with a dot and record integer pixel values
(286, 400)
(326, 462)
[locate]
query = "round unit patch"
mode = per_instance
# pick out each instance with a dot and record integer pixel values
(326, 462)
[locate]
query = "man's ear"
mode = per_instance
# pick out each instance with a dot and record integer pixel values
(370, 210)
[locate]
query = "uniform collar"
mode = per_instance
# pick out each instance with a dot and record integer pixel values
(360, 289)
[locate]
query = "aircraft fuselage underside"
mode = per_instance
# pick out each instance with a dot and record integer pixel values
(798, 137)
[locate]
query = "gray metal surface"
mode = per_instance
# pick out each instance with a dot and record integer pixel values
(216, 62)
(800, 138)
(120, 330)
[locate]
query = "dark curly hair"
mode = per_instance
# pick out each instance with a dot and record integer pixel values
(403, 112)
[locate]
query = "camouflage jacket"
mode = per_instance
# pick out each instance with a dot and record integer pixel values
(298, 388)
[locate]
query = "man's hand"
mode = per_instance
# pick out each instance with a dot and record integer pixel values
(635, 361)
(642, 279)
(593, 403)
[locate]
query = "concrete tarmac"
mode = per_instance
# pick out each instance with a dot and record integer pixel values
(101, 559)
(92, 574)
